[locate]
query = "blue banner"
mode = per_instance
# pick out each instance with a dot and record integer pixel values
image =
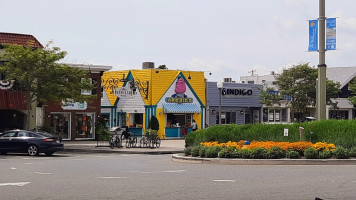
(331, 34)
(313, 35)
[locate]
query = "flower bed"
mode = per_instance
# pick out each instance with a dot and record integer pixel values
(269, 149)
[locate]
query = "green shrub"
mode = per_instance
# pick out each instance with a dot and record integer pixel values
(341, 153)
(292, 154)
(311, 153)
(325, 154)
(353, 152)
(338, 132)
(202, 151)
(221, 153)
(245, 153)
(188, 151)
(259, 153)
(195, 151)
(212, 152)
(276, 152)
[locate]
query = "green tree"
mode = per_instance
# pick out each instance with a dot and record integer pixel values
(271, 98)
(300, 82)
(37, 71)
(352, 89)
(154, 124)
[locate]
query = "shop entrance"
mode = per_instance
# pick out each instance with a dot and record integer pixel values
(11, 119)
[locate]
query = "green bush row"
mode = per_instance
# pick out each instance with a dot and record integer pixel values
(339, 132)
(263, 153)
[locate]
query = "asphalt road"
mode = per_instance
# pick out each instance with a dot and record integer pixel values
(137, 176)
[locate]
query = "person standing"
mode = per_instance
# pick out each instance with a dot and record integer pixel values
(194, 126)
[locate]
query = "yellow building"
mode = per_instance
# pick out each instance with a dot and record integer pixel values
(175, 97)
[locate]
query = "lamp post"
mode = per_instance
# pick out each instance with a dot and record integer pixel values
(220, 86)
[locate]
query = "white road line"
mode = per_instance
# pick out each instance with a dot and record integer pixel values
(15, 184)
(13, 168)
(28, 163)
(232, 181)
(42, 173)
(175, 171)
(111, 177)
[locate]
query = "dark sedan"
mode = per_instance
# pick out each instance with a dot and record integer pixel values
(31, 142)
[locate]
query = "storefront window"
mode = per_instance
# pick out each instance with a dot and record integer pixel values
(284, 115)
(275, 115)
(338, 114)
(177, 120)
(136, 120)
(84, 125)
(226, 118)
(61, 124)
(265, 115)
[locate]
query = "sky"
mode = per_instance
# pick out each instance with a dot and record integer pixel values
(228, 38)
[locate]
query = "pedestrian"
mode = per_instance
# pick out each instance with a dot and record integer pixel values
(194, 125)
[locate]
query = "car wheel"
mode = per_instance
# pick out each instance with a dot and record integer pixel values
(32, 150)
(49, 153)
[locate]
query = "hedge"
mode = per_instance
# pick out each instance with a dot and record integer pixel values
(339, 132)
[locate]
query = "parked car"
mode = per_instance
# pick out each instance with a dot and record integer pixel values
(32, 142)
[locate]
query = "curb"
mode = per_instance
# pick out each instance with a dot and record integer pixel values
(148, 151)
(235, 161)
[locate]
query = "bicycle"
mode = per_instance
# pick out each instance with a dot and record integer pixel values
(155, 142)
(115, 141)
(131, 141)
(144, 141)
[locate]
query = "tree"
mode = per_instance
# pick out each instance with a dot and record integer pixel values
(271, 98)
(37, 72)
(299, 82)
(154, 124)
(352, 89)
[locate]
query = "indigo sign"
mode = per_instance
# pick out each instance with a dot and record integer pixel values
(236, 92)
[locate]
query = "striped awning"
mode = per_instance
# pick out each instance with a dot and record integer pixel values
(181, 108)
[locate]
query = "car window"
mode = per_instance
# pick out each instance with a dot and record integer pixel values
(22, 134)
(9, 134)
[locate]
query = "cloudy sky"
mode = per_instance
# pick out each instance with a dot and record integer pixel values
(226, 37)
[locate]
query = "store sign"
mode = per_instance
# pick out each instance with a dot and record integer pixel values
(179, 96)
(124, 92)
(74, 105)
(178, 100)
(236, 92)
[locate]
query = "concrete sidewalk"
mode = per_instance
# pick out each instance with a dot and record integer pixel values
(168, 146)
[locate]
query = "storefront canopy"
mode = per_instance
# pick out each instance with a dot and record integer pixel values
(181, 108)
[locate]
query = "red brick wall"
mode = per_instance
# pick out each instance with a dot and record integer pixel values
(14, 100)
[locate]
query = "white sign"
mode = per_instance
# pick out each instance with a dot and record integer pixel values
(74, 105)
(124, 92)
(286, 132)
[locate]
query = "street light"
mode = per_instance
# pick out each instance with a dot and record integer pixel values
(220, 86)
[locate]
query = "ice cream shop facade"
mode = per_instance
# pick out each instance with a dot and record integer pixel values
(175, 97)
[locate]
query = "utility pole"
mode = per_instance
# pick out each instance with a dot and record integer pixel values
(321, 93)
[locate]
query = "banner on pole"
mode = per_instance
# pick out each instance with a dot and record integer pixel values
(313, 35)
(330, 34)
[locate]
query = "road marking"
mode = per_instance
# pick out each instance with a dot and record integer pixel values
(42, 173)
(232, 181)
(175, 171)
(111, 177)
(28, 163)
(13, 168)
(15, 184)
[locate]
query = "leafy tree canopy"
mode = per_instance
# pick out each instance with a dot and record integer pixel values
(300, 82)
(37, 71)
